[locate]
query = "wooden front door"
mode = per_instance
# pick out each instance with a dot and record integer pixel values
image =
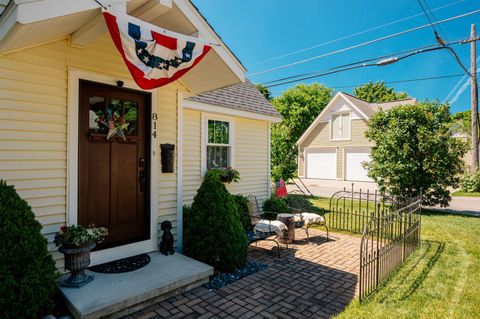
(113, 172)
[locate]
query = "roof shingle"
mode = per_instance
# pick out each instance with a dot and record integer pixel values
(243, 97)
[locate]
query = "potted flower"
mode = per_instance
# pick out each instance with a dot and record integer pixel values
(227, 175)
(76, 242)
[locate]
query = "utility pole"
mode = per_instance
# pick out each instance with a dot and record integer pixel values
(474, 95)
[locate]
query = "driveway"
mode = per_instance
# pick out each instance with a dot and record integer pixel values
(463, 205)
(326, 188)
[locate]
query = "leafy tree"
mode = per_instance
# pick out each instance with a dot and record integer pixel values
(413, 151)
(377, 92)
(465, 118)
(215, 234)
(265, 91)
(299, 106)
(27, 270)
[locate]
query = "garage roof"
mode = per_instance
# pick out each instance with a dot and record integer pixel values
(364, 108)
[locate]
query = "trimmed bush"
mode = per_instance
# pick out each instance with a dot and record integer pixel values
(27, 270)
(243, 213)
(215, 233)
(470, 183)
(275, 205)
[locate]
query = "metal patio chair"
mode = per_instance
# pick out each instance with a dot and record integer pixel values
(263, 229)
(305, 220)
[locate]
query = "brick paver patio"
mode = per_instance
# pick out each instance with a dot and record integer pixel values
(308, 281)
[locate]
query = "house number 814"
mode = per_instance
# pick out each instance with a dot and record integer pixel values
(154, 131)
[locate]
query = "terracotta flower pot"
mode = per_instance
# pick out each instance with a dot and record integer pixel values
(77, 259)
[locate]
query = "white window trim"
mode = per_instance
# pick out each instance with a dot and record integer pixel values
(204, 138)
(331, 126)
(105, 255)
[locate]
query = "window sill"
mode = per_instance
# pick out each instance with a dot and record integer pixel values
(340, 139)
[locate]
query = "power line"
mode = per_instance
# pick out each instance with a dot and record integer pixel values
(428, 17)
(352, 35)
(360, 63)
(365, 43)
(380, 63)
(439, 40)
(405, 80)
(351, 64)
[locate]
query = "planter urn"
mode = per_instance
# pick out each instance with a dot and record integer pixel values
(77, 259)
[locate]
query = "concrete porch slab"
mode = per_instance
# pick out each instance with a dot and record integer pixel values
(115, 295)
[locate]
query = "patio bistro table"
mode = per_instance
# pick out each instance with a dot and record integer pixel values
(289, 221)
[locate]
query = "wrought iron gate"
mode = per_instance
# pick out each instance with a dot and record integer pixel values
(391, 234)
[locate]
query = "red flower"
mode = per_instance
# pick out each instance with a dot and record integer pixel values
(63, 228)
(229, 167)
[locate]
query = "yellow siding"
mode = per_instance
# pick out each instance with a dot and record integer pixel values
(250, 156)
(33, 126)
(320, 137)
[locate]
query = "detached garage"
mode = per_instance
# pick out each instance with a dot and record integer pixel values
(334, 146)
(354, 170)
(321, 163)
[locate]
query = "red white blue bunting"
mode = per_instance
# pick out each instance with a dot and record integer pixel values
(154, 59)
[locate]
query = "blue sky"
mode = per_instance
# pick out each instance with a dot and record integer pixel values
(258, 30)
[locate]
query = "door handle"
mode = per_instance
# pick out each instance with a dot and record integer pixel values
(142, 180)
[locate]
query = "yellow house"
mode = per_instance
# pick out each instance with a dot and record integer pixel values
(59, 68)
(334, 146)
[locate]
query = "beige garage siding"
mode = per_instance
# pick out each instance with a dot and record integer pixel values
(33, 125)
(320, 137)
(251, 156)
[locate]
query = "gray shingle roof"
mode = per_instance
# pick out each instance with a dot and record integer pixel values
(243, 97)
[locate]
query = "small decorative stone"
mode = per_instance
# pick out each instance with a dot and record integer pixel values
(222, 279)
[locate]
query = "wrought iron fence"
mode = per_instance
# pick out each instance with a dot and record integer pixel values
(350, 210)
(390, 235)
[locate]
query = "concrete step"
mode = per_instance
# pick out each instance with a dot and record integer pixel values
(116, 295)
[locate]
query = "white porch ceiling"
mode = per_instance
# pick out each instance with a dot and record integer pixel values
(218, 69)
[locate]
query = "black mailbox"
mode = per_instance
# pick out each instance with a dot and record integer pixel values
(168, 157)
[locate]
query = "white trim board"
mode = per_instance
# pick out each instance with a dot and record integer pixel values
(210, 108)
(204, 136)
(179, 171)
(322, 114)
(98, 257)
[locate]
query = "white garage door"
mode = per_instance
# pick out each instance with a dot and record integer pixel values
(354, 170)
(322, 164)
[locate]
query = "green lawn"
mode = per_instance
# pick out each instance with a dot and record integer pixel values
(465, 194)
(440, 280)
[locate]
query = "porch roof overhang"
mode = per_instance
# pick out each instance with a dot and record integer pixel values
(29, 23)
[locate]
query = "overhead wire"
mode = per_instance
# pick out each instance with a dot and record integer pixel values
(342, 67)
(406, 80)
(350, 64)
(439, 39)
(366, 43)
(354, 67)
(352, 35)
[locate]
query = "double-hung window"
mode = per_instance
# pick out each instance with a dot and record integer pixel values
(218, 144)
(340, 126)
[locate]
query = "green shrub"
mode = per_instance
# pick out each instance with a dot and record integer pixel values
(299, 202)
(243, 212)
(470, 183)
(215, 234)
(27, 270)
(275, 205)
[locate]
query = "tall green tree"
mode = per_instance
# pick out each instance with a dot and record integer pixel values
(377, 92)
(265, 91)
(299, 106)
(413, 150)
